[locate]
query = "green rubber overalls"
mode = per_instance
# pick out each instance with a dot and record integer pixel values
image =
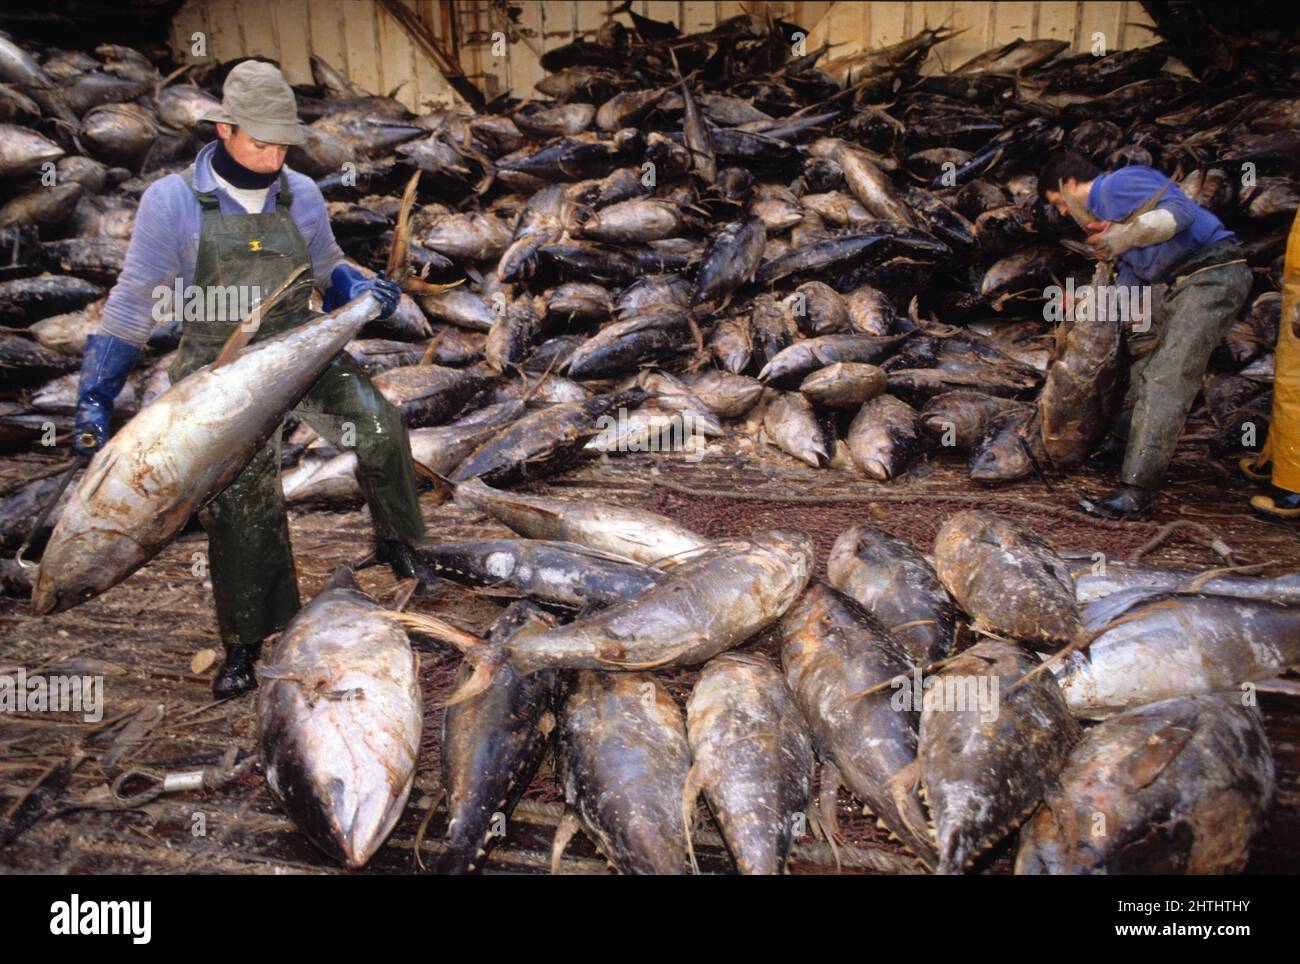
(254, 581)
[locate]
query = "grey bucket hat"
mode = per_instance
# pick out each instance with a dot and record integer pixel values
(258, 98)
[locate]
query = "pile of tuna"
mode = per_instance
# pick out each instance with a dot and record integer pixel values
(842, 257)
(918, 687)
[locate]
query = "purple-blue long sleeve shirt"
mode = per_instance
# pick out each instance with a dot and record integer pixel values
(1115, 196)
(165, 242)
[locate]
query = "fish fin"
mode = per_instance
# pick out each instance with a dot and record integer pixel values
(405, 590)
(442, 485)
(246, 329)
(1085, 639)
(418, 286)
(397, 268)
(827, 791)
(424, 825)
(902, 789)
(442, 631)
(1142, 767)
(648, 664)
(690, 796)
(431, 352)
(236, 343)
(274, 672)
(667, 562)
(564, 832)
(342, 579)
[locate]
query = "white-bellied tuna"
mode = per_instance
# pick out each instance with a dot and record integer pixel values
(1007, 578)
(832, 650)
(695, 610)
(178, 452)
(636, 534)
(339, 719)
(1176, 645)
(623, 759)
(988, 753)
(751, 756)
(491, 746)
(1177, 787)
(896, 585)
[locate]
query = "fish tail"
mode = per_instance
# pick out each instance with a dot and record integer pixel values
(690, 795)
(564, 832)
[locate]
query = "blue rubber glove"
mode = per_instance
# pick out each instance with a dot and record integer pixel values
(346, 283)
(104, 367)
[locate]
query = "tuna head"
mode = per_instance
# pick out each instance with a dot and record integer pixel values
(1183, 786)
(338, 722)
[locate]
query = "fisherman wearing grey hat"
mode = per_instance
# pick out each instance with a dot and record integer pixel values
(240, 221)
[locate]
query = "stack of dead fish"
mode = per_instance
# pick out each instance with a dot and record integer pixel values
(843, 257)
(918, 686)
(689, 235)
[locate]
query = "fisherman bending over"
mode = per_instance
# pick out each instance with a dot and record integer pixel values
(1176, 242)
(239, 217)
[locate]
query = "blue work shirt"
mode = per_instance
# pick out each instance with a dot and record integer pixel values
(1115, 196)
(165, 241)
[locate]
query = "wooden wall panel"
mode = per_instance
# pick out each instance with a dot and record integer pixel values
(363, 42)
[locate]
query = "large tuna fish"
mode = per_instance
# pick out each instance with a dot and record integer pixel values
(695, 610)
(752, 757)
(556, 573)
(1094, 578)
(1081, 391)
(1176, 645)
(1177, 787)
(144, 484)
(730, 261)
(1009, 580)
(623, 760)
(338, 721)
(897, 586)
(988, 752)
(642, 536)
(491, 746)
(832, 650)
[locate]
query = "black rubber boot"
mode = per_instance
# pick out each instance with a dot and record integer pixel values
(405, 561)
(1126, 502)
(236, 675)
(1278, 504)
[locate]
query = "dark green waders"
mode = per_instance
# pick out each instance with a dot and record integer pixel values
(1204, 295)
(254, 581)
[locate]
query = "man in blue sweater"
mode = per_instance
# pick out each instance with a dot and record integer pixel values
(239, 220)
(1175, 242)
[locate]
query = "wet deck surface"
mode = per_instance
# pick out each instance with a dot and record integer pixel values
(143, 635)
